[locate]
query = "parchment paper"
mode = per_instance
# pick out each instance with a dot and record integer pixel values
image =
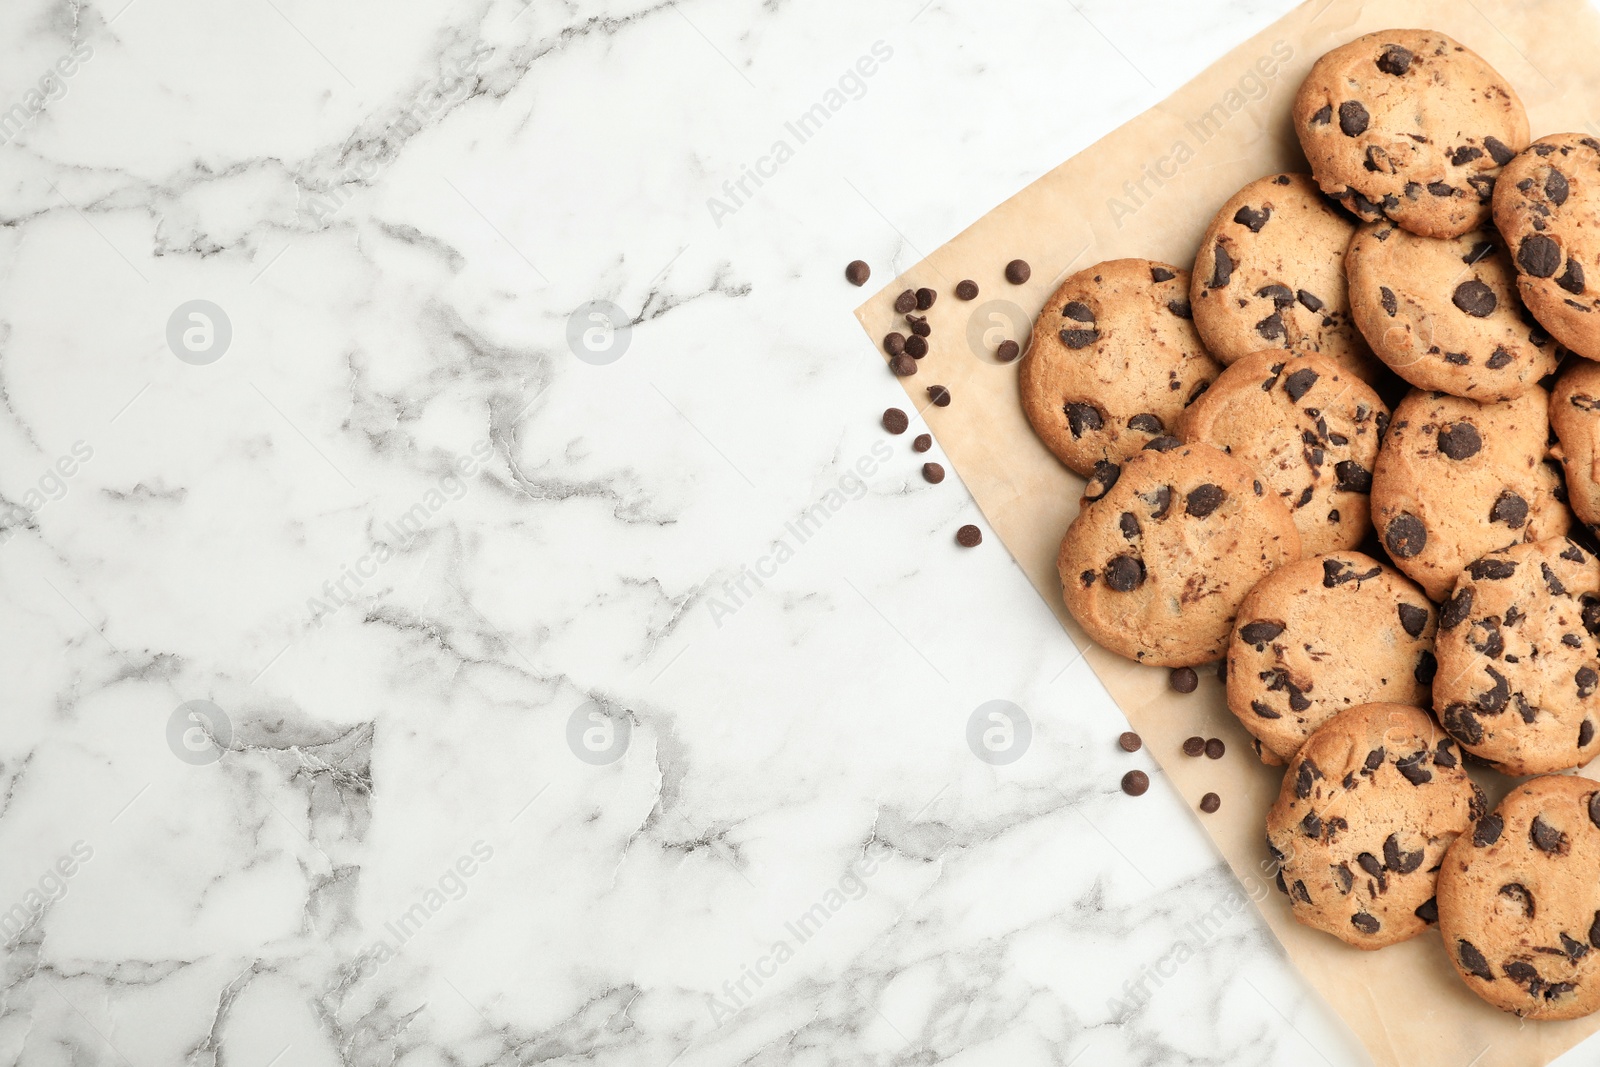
(1148, 189)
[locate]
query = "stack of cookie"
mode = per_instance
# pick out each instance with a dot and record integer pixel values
(1342, 455)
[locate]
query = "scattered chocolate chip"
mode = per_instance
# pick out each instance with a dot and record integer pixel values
(1395, 60)
(916, 347)
(1413, 619)
(906, 301)
(903, 365)
(1130, 741)
(1352, 477)
(919, 325)
(1184, 679)
(925, 298)
(933, 473)
(1405, 536)
(1367, 924)
(1222, 270)
(1460, 440)
(1196, 746)
(1353, 118)
(1428, 910)
(1309, 301)
(1210, 803)
(1203, 500)
(1465, 154)
(939, 395)
(1299, 383)
(1180, 308)
(1260, 632)
(1322, 116)
(1572, 278)
(1472, 960)
(1125, 573)
(1215, 749)
(895, 420)
(857, 272)
(1008, 351)
(1161, 274)
(1253, 219)
(1018, 271)
(966, 289)
(1475, 298)
(1164, 443)
(1386, 298)
(1488, 830)
(969, 536)
(1076, 339)
(1134, 783)
(922, 443)
(1082, 418)
(1539, 256)
(1510, 509)
(1499, 151)
(1556, 188)
(1546, 837)
(894, 343)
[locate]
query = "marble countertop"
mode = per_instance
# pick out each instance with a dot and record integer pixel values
(402, 408)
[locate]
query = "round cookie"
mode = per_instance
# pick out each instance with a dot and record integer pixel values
(1164, 549)
(1575, 418)
(1113, 362)
(1368, 809)
(1519, 662)
(1311, 430)
(1547, 204)
(1444, 313)
(1410, 126)
(1519, 900)
(1319, 636)
(1456, 479)
(1270, 274)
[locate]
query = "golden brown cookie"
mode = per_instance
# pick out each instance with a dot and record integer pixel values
(1270, 274)
(1319, 636)
(1575, 418)
(1367, 810)
(1519, 664)
(1164, 549)
(1457, 479)
(1410, 126)
(1310, 429)
(1113, 362)
(1519, 900)
(1547, 204)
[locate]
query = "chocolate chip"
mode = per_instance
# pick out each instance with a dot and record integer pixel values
(1428, 910)
(1222, 269)
(1185, 680)
(1078, 311)
(1018, 271)
(1101, 479)
(1413, 619)
(1079, 338)
(1215, 749)
(1405, 536)
(857, 272)
(1498, 358)
(1146, 423)
(1367, 924)
(1395, 60)
(1134, 783)
(939, 396)
(1252, 219)
(1518, 894)
(1311, 826)
(1008, 351)
(933, 473)
(925, 299)
(1539, 256)
(1414, 768)
(1322, 115)
(1161, 274)
(1082, 418)
(1488, 830)
(1271, 327)
(1180, 308)
(1465, 154)
(1352, 477)
(916, 347)
(894, 343)
(1475, 298)
(1210, 803)
(1260, 632)
(1441, 189)
(1587, 679)
(1125, 573)
(906, 301)
(1129, 524)
(1299, 383)
(1460, 440)
(1160, 500)
(1196, 746)
(1555, 187)
(1455, 609)
(1510, 509)
(1130, 741)
(966, 289)
(1164, 443)
(1426, 668)
(1492, 569)
(1398, 861)
(1572, 278)
(1203, 500)
(1472, 960)
(1353, 118)
(969, 536)
(1574, 948)
(1546, 837)
(903, 365)
(919, 325)
(922, 443)
(1305, 778)
(1386, 298)
(1309, 300)
(895, 420)
(1264, 711)
(1499, 151)
(1551, 581)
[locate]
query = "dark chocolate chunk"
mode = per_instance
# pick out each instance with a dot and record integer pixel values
(1539, 256)
(1465, 154)
(1428, 910)
(1395, 60)
(1185, 680)
(1210, 803)
(1413, 619)
(1386, 298)
(1146, 423)
(1488, 830)
(1352, 477)
(969, 536)
(1079, 338)
(1082, 418)
(925, 298)
(1353, 118)
(1460, 440)
(1203, 500)
(1572, 278)
(1222, 270)
(1161, 274)
(1415, 768)
(1518, 894)
(1367, 924)
(966, 289)
(1455, 610)
(1299, 383)
(1101, 479)
(1405, 536)
(1180, 307)
(1249, 217)
(1475, 298)
(1510, 509)
(1546, 837)
(1125, 573)
(1018, 271)
(1134, 783)
(1499, 151)
(1555, 187)
(1472, 960)
(1309, 300)
(906, 301)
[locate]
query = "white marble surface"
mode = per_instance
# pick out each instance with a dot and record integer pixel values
(396, 857)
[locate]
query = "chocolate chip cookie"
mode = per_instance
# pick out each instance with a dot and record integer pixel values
(1519, 663)
(1456, 479)
(1113, 362)
(1575, 418)
(1164, 549)
(1444, 314)
(1319, 636)
(1310, 429)
(1410, 126)
(1368, 809)
(1547, 204)
(1519, 900)
(1270, 274)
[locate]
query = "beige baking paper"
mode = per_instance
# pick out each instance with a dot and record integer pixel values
(1148, 190)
